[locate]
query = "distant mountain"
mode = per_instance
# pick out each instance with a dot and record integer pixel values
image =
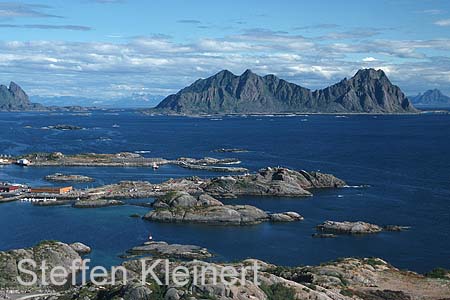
(431, 98)
(13, 98)
(136, 100)
(369, 91)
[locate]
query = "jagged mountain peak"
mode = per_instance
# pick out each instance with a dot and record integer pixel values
(370, 74)
(14, 98)
(248, 72)
(368, 91)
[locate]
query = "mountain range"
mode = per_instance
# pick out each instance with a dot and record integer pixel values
(368, 91)
(433, 98)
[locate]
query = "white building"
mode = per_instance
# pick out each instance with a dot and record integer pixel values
(23, 162)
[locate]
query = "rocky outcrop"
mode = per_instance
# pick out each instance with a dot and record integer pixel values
(230, 150)
(210, 164)
(52, 252)
(80, 248)
(356, 227)
(181, 199)
(59, 177)
(289, 216)
(349, 227)
(63, 127)
(216, 215)
(369, 91)
(181, 207)
(96, 203)
(163, 249)
(272, 182)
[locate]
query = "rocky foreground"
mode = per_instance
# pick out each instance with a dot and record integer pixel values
(54, 254)
(343, 279)
(181, 207)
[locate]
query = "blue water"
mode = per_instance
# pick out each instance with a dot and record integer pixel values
(404, 160)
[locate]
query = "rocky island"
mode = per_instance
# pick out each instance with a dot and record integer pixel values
(231, 150)
(368, 91)
(128, 159)
(356, 227)
(97, 203)
(163, 249)
(181, 207)
(272, 182)
(59, 177)
(63, 127)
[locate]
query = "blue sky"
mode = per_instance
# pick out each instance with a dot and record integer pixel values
(113, 48)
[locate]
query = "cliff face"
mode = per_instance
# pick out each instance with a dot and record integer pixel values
(369, 91)
(431, 98)
(14, 98)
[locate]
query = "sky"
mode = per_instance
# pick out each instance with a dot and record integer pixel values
(114, 48)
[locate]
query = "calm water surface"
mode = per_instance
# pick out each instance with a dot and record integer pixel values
(404, 160)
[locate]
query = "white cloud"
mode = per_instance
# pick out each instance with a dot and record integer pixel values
(369, 59)
(444, 22)
(158, 63)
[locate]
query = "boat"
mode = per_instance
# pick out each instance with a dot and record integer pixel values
(116, 126)
(23, 162)
(155, 166)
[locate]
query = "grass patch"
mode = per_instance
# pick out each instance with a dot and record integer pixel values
(374, 262)
(440, 273)
(347, 293)
(278, 291)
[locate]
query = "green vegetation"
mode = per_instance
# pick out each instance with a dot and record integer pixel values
(47, 242)
(278, 291)
(347, 293)
(205, 296)
(374, 262)
(158, 291)
(168, 196)
(440, 273)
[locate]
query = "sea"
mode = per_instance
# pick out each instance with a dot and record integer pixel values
(397, 168)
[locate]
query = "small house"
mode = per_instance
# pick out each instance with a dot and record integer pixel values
(8, 188)
(51, 190)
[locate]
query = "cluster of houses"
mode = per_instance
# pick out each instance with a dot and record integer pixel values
(8, 188)
(16, 188)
